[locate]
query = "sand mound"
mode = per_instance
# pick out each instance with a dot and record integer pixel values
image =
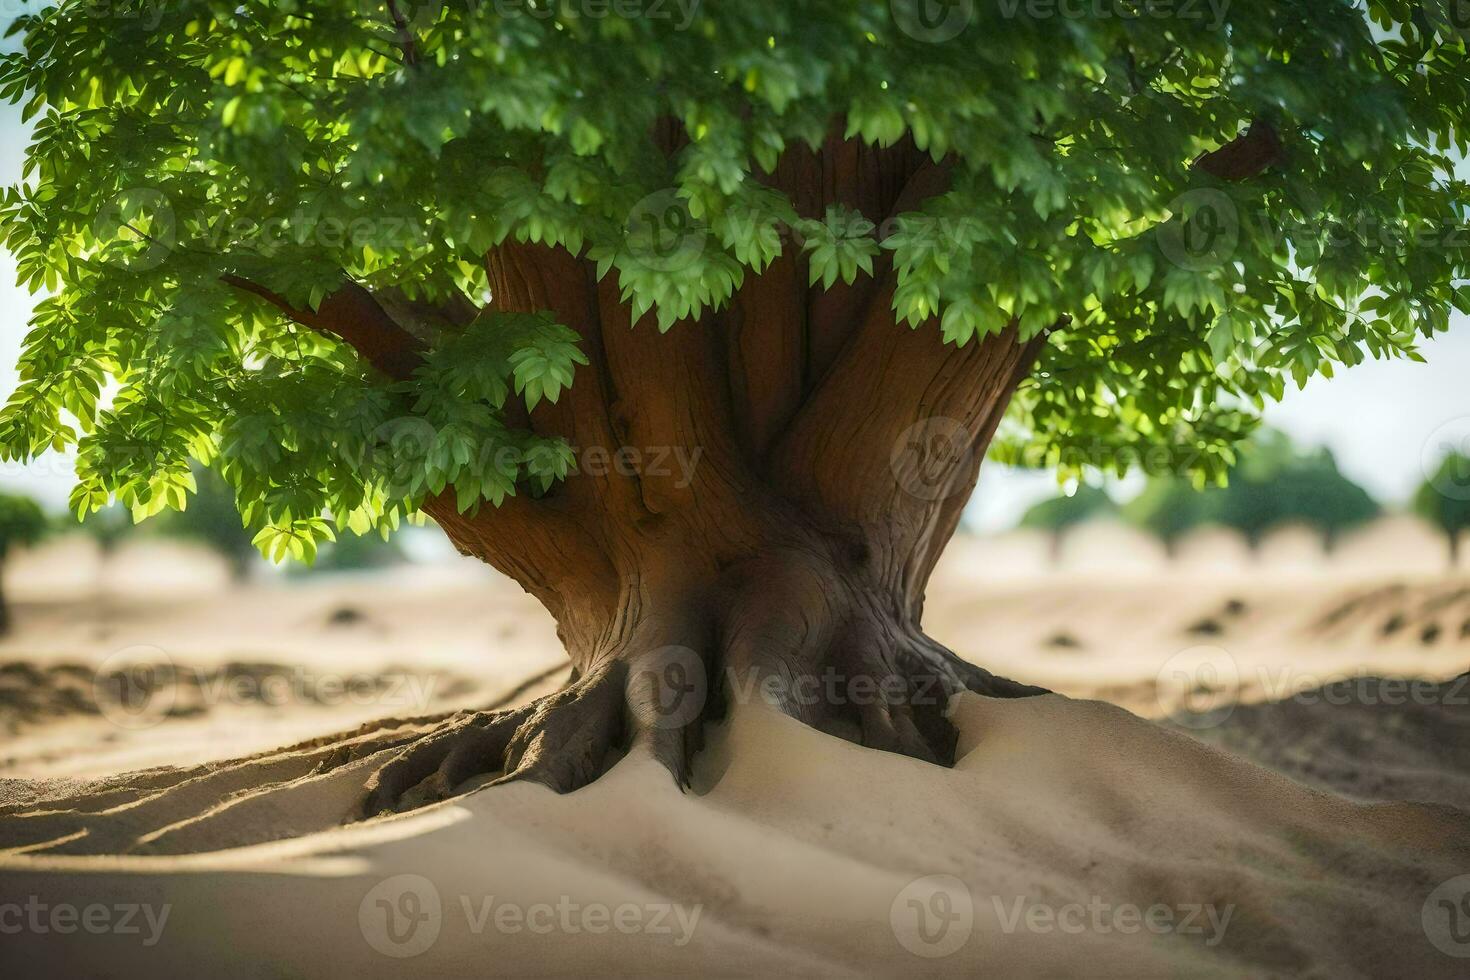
(1071, 839)
(1376, 738)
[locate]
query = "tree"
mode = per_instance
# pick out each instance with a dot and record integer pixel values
(1277, 484)
(1058, 515)
(1272, 484)
(21, 523)
(358, 552)
(1169, 508)
(1444, 501)
(798, 257)
(212, 518)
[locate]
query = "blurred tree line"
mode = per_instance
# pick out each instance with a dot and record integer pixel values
(1274, 484)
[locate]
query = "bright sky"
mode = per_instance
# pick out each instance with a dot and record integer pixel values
(1377, 418)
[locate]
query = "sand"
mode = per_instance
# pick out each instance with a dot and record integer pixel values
(1235, 818)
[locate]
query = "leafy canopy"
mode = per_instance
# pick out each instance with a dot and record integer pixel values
(1274, 484)
(1058, 514)
(1444, 499)
(22, 522)
(296, 143)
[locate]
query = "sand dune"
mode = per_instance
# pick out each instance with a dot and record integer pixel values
(1071, 839)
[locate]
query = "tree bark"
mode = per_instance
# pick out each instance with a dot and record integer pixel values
(761, 498)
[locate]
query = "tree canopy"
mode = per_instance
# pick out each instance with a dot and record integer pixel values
(1274, 484)
(1059, 513)
(1195, 209)
(1444, 500)
(22, 522)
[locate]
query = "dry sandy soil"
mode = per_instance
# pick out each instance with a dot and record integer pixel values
(1280, 785)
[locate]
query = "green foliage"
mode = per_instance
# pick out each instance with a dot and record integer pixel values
(22, 522)
(357, 552)
(299, 143)
(1274, 484)
(1057, 514)
(1444, 499)
(212, 517)
(1169, 508)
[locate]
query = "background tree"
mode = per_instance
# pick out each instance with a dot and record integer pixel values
(1060, 514)
(1169, 508)
(212, 518)
(1444, 501)
(1277, 484)
(21, 523)
(355, 257)
(358, 552)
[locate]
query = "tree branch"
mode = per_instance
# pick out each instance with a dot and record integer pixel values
(352, 315)
(1250, 154)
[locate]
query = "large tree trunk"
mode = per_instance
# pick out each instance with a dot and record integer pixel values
(832, 452)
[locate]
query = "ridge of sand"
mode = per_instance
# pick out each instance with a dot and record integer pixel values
(800, 854)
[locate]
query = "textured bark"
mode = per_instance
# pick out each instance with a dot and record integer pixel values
(834, 451)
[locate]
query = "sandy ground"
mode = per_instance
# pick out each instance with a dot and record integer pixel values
(1287, 792)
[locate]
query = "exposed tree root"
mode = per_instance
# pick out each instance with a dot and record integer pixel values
(560, 741)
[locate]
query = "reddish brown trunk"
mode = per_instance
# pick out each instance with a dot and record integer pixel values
(761, 498)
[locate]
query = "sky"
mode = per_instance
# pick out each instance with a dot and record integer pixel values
(1385, 421)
